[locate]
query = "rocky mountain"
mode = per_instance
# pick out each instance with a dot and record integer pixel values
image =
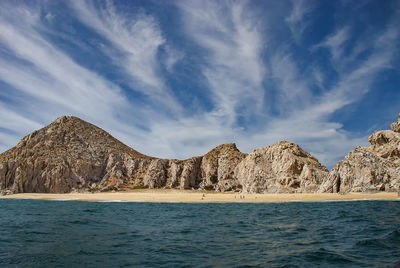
(68, 154)
(372, 168)
(73, 155)
(217, 168)
(281, 168)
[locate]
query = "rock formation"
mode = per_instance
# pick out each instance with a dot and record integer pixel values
(66, 155)
(396, 125)
(73, 155)
(217, 168)
(281, 168)
(369, 169)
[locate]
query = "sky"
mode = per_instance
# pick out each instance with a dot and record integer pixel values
(174, 79)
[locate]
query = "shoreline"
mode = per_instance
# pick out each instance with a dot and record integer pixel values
(194, 196)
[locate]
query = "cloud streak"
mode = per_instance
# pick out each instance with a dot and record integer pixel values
(137, 40)
(233, 44)
(52, 83)
(256, 89)
(310, 124)
(297, 20)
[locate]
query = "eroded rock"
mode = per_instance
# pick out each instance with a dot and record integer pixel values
(73, 155)
(369, 169)
(218, 166)
(396, 125)
(68, 154)
(281, 168)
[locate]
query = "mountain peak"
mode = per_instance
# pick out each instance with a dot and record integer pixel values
(72, 154)
(67, 154)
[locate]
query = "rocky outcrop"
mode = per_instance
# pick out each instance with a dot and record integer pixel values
(69, 154)
(73, 155)
(163, 173)
(191, 171)
(217, 168)
(396, 125)
(281, 168)
(369, 169)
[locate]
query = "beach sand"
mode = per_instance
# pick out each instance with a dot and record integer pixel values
(193, 196)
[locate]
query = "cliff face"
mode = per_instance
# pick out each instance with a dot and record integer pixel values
(73, 155)
(68, 154)
(281, 168)
(372, 168)
(217, 168)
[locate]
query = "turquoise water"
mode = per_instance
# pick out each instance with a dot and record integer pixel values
(37, 233)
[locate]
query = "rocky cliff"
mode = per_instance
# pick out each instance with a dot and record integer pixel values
(281, 168)
(73, 155)
(217, 168)
(369, 169)
(68, 154)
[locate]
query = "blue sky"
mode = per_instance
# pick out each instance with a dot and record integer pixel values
(174, 79)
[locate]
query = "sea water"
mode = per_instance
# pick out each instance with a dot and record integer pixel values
(36, 233)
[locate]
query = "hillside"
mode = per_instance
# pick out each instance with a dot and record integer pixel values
(73, 155)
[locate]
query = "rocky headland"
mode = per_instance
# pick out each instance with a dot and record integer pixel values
(71, 155)
(369, 169)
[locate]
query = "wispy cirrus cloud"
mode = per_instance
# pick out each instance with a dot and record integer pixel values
(137, 41)
(313, 126)
(335, 43)
(233, 44)
(293, 89)
(256, 92)
(15, 122)
(171, 58)
(298, 20)
(46, 83)
(216, 33)
(43, 71)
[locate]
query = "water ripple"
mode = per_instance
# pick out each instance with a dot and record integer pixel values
(82, 234)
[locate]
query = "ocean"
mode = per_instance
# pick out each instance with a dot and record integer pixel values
(36, 233)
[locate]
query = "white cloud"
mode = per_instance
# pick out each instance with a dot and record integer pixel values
(173, 56)
(233, 42)
(335, 43)
(14, 121)
(311, 125)
(6, 140)
(138, 41)
(44, 72)
(318, 77)
(297, 20)
(49, 16)
(291, 86)
(45, 82)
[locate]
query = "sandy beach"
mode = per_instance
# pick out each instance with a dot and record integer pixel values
(193, 196)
